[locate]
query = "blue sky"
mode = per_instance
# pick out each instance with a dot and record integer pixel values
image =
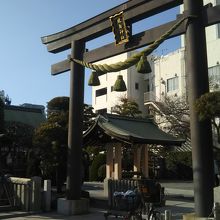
(25, 63)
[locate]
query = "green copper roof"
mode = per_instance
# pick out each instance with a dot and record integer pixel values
(134, 130)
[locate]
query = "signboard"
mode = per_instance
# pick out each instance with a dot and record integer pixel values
(119, 28)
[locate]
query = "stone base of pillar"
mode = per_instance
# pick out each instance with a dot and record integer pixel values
(72, 207)
(192, 216)
(106, 186)
(217, 194)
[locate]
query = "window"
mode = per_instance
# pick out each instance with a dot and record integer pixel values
(101, 111)
(101, 92)
(172, 84)
(218, 25)
(218, 30)
(112, 88)
(148, 85)
(214, 73)
(112, 109)
(136, 86)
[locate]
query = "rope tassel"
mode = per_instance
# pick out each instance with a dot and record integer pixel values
(94, 79)
(143, 66)
(119, 85)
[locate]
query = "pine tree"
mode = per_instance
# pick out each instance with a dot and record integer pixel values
(127, 107)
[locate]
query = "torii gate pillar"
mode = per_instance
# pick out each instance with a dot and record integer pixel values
(73, 203)
(75, 130)
(201, 132)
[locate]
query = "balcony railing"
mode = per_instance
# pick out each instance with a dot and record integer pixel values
(150, 97)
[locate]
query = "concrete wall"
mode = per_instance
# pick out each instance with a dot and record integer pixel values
(168, 67)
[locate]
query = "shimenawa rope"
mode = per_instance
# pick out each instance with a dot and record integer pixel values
(133, 59)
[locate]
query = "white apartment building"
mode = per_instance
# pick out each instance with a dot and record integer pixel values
(168, 77)
(103, 96)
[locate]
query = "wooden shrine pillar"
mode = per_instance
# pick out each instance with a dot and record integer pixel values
(113, 164)
(117, 161)
(114, 161)
(137, 159)
(109, 161)
(145, 161)
(141, 160)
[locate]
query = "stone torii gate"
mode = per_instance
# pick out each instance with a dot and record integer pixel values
(76, 37)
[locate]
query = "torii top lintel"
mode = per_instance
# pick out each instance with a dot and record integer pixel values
(99, 25)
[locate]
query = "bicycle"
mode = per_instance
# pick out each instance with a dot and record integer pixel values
(152, 213)
(151, 193)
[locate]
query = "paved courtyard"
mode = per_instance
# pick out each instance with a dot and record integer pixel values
(177, 207)
(179, 201)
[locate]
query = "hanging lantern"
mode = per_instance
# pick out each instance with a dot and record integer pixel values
(94, 79)
(119, 85)
(143, 66)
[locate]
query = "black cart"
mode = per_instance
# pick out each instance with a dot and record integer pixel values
(128, 198)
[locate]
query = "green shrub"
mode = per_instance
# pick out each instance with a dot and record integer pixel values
(127, 161)
(179, 165)
(102, 172)
(98, 161)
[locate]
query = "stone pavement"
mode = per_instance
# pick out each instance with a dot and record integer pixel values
(172, 188)
(178, 208)
(97, 214)
(180, 189)
(179, 201)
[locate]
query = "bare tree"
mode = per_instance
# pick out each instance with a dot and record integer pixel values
(172, 115)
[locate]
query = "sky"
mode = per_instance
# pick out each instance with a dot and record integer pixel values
(25, 62)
